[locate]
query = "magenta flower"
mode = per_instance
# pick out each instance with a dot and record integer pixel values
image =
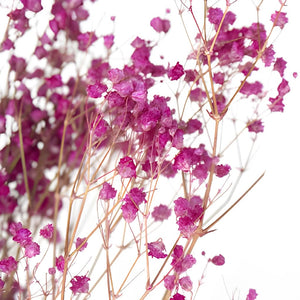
(222, 170)
(60, 263)
(96, 90)
(107, 192)
(109, 40)
(8, 265)
(80, 284)
(161, 212)
(177, 296)
(126, 167)
(279, 66)
(176, 72)
(160, 25)
(32, 249)
(251, 295)
(279, 19)
(256, 126)
(218, 260)
(186, 283)
(79, 241)
(157, 249)
(249, 89)
(47, 231)
(32, 5)
(169, 282)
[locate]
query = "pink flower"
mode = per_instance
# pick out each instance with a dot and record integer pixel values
(107, 192)
(169, 282)
(160, 25)
(157, 249)
(109, 40)
(85, 40)
(79, 284)
(218, 260)
(255, 126)
(222, 170)
(177, 296)
(96, 90)
(47, 231)
(60, 263)
(32, 249)
(126, 167)
(186, 283)
(279, 66)
(8, 265)
(279, 19)
(79, 241)
(161, 212)
(254, 88)
(176, 72)
(251, 295)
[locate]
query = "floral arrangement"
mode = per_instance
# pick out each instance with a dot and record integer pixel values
(106, 175)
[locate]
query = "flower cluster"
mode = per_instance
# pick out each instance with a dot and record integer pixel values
(97, 127)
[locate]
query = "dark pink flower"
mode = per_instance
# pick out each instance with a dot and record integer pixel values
(157, 249)
(109, 40)
(107, 192)
(279, 66)
(8, 265)
(169, 282)
(129, 211)
(47, 231)
(176, 72)
(218, 260)
(215, 15)
(32, 249)
(79, 241)
(222, 170)
(255, 126)
(126, 167)
(193, 125)
(181, 263)
(177, 296)
(85, 40)
(251, 295)
(2, 283)
(219, 78)
(60, 263)
(186, 283)
(54, 81)
(161, 212)
(254, 88)
(96, 90)
(80, 284)
(279, 19)
(268, 56)
(23, 236)
(33, 5)
(160, 25)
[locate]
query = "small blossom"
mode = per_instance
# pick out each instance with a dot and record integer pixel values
(2, 283)
(60, 263)
(186, 283)
(177, 296)
(54, 81)
(169, 282)
(219, 78)
(109, 40)
(32, 249)
(279, 66)
(107, 192)
(79, 241)
(126, 167)
(160, 25)
(85, 40)
(222, 170)
(295, 74)
(161, 212)
(80, 284)
(51, 271)
(96, 90)
(157, 249)
(268, 56)
(176, 72)
(251, 88)
(23, 236)
(8, 265)
(180, 263)
(255, 126)
(218, 260)
(251, 295)
(279, 19)
(47, 231)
